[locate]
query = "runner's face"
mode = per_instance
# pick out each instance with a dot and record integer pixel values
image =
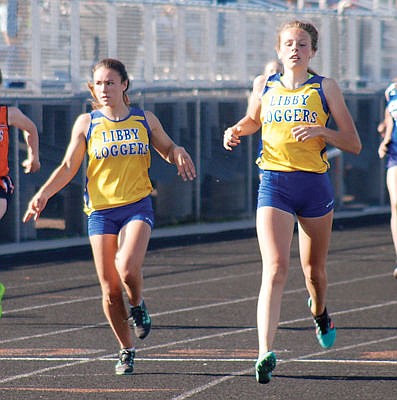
(107, 86)
(295, 48)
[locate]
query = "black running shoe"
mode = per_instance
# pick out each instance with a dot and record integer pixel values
(264, 367)
(325, 329)
(141, 321)
(125, 364)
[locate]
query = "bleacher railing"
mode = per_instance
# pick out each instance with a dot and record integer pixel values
(50, 46)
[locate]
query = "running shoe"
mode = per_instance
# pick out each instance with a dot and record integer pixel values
(141, 321)
(125, 364)
(325, 329)
(264, 367)
(2, 291)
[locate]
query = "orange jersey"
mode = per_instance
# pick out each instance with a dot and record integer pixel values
(4, 140)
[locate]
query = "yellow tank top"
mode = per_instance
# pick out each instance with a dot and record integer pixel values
(118, 161)
(281, 110)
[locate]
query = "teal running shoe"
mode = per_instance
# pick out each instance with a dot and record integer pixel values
(325, 329)
(141, 321)
(125, 364)
(264, 367)
(2, 291)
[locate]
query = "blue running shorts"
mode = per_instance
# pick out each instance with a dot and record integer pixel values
(391, 156)
(112, 220)
(391, 160)
(305, 194)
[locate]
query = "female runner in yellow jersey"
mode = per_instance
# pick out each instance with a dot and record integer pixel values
(293, 111)
(116, 138)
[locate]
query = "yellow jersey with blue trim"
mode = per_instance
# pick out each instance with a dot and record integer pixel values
(281, 110)
(118, 161)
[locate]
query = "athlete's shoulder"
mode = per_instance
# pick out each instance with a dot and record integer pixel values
(82, 122)
(84, 117)
(150, 117)
(273, 81)
(141, 115)
(259, 81)
(274, 77)
(316, 81)
(328, 84)
(94, 114)
(258, 85)
(146, 118)
(137, 111)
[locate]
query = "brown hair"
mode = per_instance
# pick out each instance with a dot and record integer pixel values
(305, 26)
(119, 67)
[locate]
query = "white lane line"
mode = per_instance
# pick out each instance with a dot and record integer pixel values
(156, 288)
(344, 348)
(246, 330)
(232, 375)
(303, 358)
(215, 335)
(212, 383)
(349, 311)
(52, 333)
(42, 371)
(95, 281)
(198, 359)
(361, 362)
(30, 284)
(172, 286)
(204, 306)
(140, 359)
(48, 305)
(189, 309)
